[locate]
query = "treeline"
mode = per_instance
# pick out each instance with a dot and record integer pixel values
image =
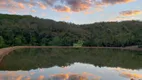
(18, 30)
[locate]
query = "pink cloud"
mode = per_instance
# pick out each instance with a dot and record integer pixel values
(21, 5)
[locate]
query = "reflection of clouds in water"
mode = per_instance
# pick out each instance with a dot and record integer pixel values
(41, 77)
(13, 75)
(65, 73)
(131, 75)
(128, 73)
(119, 69)
(32, 73)
(28, 78)
(25, 75)
(18, 75)
(72, 76)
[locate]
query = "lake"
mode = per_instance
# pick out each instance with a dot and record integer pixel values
(71, 64)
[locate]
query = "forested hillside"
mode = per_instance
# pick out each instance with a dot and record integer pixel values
(18, 30)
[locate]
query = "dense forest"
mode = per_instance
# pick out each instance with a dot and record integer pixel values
(18, 30)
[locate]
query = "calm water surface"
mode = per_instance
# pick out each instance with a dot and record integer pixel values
(71, 64)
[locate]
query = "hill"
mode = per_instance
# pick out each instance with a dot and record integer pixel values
(16, 30)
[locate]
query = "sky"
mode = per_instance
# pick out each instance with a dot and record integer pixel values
(75, 11)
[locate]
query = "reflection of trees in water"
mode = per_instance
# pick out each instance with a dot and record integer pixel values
(25, 59)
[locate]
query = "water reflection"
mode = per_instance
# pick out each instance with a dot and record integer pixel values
(76, 71)
(71, 64)
(73, 76)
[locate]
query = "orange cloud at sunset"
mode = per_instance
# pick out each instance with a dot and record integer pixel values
(130, 13)
(126, 15)
(84, 6)
(131, 75)
(73, 76)
(117, 1)
(42, 6)
(62, 5)
(21, 5)
(78, 5)
(60, 8)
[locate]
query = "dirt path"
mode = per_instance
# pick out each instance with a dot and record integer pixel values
(6, 51)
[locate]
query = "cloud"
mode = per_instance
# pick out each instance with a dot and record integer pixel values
(58, 5)
(130, 13)
(116, 1)
(78, 5)
(42, 6)
(33, 10)
(11, 5)
(60, 8)
(126, 15)
(119, 18)
(30, 5)
(21, 5)
(128, 73)
(50, 2)
(131, 75)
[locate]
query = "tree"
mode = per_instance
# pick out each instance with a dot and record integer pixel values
(56, 41)
(2, 43)
(44, 41)
(79, 43)
(19, 40)
(28, 30)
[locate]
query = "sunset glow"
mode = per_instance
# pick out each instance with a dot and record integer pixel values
(78, 11)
